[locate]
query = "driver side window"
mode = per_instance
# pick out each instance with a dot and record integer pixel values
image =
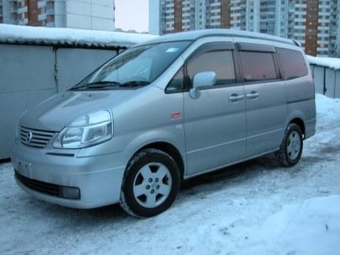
(219, 61)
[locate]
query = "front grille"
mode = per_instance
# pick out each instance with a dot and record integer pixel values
(43, 187)
(35, 138)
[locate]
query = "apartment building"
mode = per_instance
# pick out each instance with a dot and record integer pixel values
(83, 14)
(313, 23)
(168, 16)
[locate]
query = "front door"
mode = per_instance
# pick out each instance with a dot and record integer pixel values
(215, 122)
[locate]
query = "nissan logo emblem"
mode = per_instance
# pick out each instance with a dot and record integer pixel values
(28, 137)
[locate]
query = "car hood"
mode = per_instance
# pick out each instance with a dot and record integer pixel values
(60, 110)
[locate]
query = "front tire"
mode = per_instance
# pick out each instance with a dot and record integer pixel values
(291, 147)
(150, 184)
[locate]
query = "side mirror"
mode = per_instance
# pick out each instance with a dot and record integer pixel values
(200, 80)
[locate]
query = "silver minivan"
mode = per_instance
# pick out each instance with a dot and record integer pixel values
(163, 111)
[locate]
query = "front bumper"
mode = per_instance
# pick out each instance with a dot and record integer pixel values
(59, 178)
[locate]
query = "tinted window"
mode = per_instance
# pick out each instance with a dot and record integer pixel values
(221, 62)
(293, 64)
(257, 66)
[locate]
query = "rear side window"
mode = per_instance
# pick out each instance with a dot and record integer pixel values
(293, 63)
(220, 61)
(257, 66)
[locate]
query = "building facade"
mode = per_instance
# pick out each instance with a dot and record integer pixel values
(83, 14)
(315, 24)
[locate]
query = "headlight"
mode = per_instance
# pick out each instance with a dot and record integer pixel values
(90, 129)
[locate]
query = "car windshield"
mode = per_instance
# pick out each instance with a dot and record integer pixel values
(135, 67)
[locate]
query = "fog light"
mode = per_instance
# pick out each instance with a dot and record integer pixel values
(70, 192)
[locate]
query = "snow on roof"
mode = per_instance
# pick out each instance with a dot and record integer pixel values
(69, 37)
(98, 39)
(333, 63)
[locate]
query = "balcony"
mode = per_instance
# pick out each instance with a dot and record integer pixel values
(23, 22)
(41, 4)
(22, 10)
(42, 16)
(50, 11)
(13, 10)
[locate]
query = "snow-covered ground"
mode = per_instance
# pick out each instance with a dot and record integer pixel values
(255, 207)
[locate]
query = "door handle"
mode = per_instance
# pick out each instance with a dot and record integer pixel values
(253, 95)
(235, 97)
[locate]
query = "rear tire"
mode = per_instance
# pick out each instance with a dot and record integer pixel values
(150, 184)
(291, 147)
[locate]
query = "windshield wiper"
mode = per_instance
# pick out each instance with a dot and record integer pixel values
(134, 84)
(98, 85)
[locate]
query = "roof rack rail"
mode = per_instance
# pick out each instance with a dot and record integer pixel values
(297, 43)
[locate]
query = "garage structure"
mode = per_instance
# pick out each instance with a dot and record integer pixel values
(326, 73)
(38, 62)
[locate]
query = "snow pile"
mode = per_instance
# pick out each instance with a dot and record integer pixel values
(255, 207)
(68, 36)
(324, 61)
(310, 227)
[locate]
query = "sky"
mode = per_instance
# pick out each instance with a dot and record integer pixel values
(132, 15)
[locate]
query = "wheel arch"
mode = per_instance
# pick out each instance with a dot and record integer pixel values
(169, 149)
(301, 124)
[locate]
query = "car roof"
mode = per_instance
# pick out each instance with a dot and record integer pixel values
(197, 34)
